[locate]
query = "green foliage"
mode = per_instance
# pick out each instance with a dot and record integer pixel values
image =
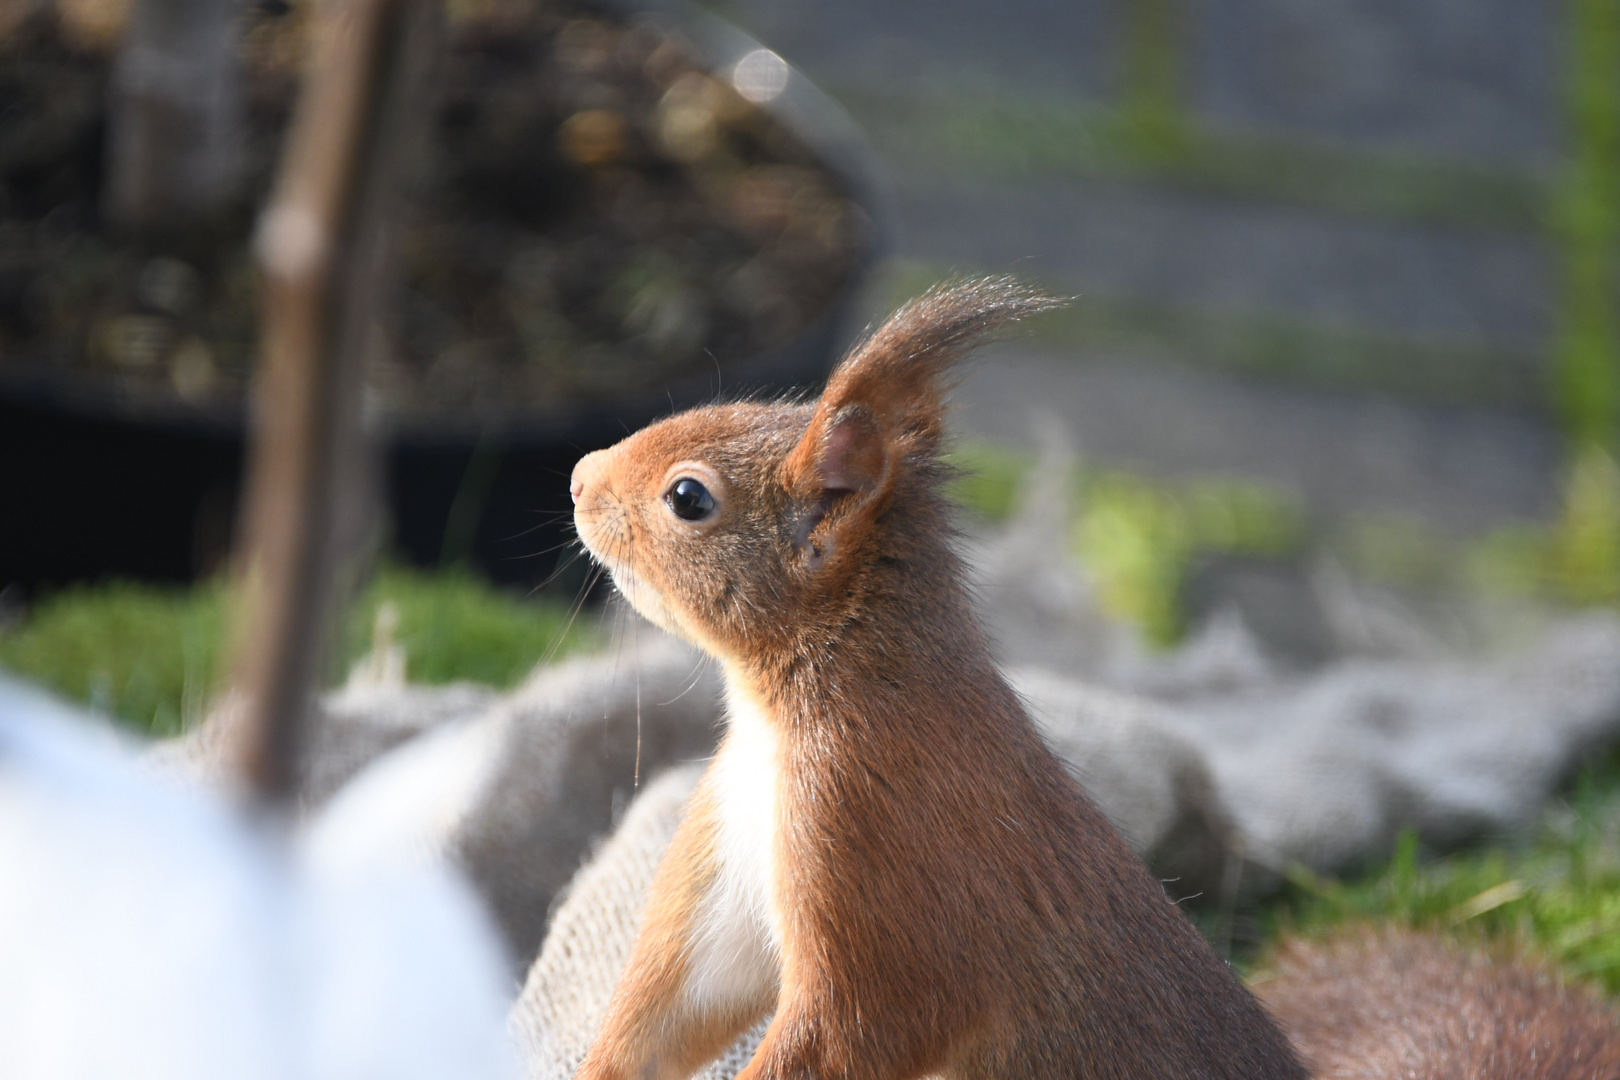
(1136, 537)
(1577, 559)
(1134, 541)
(1559, 894)
(1584, 553)
(151, 655)
(455, 627)
(147, 655)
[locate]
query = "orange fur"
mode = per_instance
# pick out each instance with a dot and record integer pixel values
(947, 900)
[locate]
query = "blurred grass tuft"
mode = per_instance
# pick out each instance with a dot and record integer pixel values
(1137, 538)
(1575, 560)
(1583, 554)
(150, 655)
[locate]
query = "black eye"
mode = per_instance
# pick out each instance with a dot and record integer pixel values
(690, 500)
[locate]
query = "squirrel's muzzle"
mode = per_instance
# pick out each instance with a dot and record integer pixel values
(585, 472)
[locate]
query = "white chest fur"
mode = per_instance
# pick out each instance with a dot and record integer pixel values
(736, 951)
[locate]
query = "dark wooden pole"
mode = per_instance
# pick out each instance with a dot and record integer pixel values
(320, 254)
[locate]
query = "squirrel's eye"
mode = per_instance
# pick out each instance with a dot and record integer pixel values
(690, 500)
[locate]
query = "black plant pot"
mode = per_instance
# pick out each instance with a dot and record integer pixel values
(96, 483)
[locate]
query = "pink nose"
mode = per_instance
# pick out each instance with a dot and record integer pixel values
(584, 470)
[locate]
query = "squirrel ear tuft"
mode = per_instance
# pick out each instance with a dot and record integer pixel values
(898, 373)
(885, 403)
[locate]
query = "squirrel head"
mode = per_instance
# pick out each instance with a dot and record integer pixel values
(752, 527)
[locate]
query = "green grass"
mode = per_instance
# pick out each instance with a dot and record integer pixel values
(1558, 894)
(151, 656)
(988, 478)
(1574, 560)
(144, 654)
(1137, 539)
(455, 627)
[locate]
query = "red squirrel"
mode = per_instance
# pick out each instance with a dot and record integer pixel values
(883, 850)
(883, 853)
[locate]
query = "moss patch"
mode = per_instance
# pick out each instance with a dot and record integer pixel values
(151, 655)
(146, 655)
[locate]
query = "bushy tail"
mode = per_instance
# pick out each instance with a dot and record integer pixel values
(1397, 1005)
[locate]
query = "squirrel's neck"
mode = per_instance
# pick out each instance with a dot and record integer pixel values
(910, 642)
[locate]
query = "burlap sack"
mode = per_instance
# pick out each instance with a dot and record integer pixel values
(568, 989)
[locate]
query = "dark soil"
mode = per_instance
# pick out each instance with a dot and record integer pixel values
(595, 214)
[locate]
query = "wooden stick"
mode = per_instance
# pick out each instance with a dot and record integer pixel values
(319, 252)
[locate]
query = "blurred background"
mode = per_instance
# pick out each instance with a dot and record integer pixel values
(1344, 283)
(1356, 258)
(1343, 318)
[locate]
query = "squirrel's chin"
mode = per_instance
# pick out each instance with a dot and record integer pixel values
(645, 600)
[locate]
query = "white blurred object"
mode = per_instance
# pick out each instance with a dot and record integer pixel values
(152, 930)
(760, 76)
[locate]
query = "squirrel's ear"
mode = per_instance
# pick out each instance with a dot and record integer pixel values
(844, 452)
(854, 456)
(899, 373)
(885, 404)
(842, 471)
(894, 381)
